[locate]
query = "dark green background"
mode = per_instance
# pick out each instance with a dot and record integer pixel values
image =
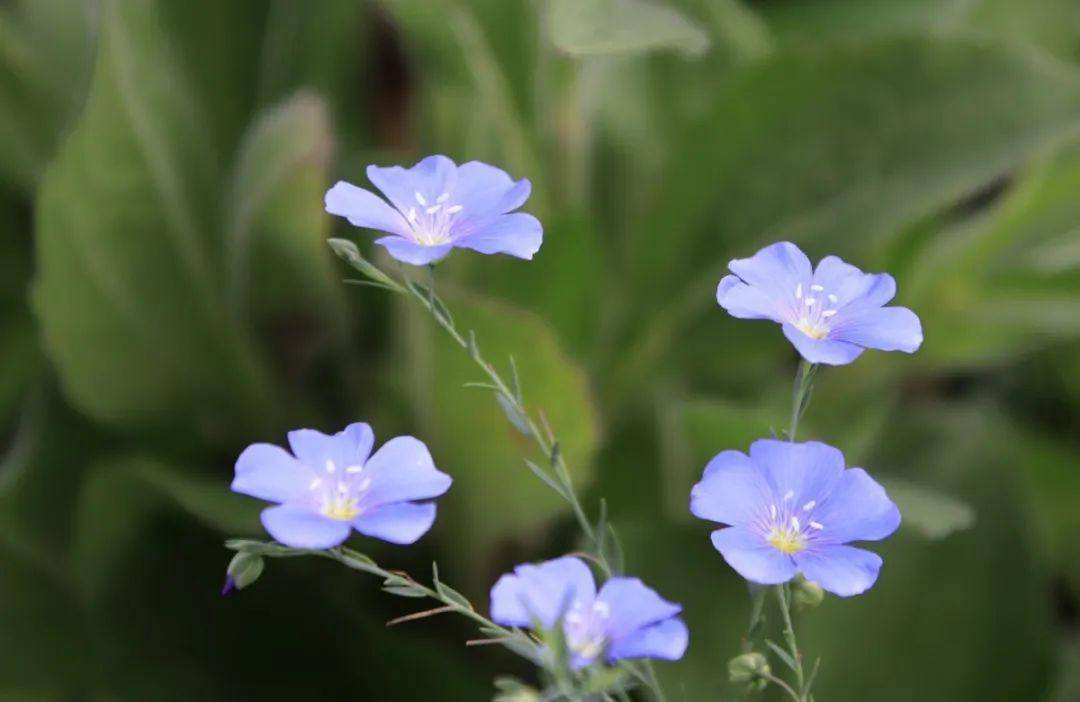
(167, 298)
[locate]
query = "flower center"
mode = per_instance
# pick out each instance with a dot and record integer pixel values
(789, 527)
(584, 628)
(431, 223)
(786, 540)
(813, 317)
(338, 496)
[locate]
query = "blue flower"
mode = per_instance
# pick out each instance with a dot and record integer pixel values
(793, 507)
(625, 619)
(329, 485)
(830, 314)
(438, 206)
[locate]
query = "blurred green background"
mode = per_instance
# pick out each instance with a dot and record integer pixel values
(168, 298)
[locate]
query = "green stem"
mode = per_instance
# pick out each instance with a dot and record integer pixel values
(789, 636)
(800, 395)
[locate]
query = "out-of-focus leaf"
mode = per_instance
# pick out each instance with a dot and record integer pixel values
(929, 512)
(128, 292)
(494, 496)
(584, 27)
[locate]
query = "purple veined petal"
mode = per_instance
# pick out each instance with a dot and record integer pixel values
(776, 270)
(798, 473)
(748, 302)
(733, 490)
(299, 527)
(753, 557)
(857, 509)
(850, 286)
(517, 234)
(365, 209)
(349, 447)
(400, 523)
(541, 592)
(429, 179)
(883, 328)
(842, 570)
(633, 605)
(402, 470)
(666, 640)
(408, 251)
(827, 351)
(269, 473)
(484, 191)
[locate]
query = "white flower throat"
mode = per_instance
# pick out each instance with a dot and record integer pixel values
(338, 493)
(789, 526)
(814, 310)
(431, 222)
(585, 628)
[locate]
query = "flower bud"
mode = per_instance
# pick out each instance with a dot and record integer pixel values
(806, 593)
(748, 668)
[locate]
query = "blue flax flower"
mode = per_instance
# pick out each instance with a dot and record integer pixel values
(625, 619)
(831, 314)
(438, 206)
(330, 485)
(793, 507)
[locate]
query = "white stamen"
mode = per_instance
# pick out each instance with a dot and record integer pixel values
(354, 469)
(828, 313)
(342, 487)
(772, 511)
(412, 214)
(817, 525)
(442, 198)
(833, 298)
(602, 609)
(810, 302)
(789, 495)
(817, 288)
(364, 485)
(809, 505)
(453, 209)
(795, 523)
(314, 483)
(420, 198)
(433, 209)
(798, 291)
(330, 467)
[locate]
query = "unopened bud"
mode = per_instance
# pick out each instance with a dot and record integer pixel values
(749, 668)
(806, 593)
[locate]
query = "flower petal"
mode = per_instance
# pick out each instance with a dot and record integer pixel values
(349, 447)
(799, 472)
(484, 191)
(752, 556)
(827, 351)
(842, 570)
(733, 490)
(400, 523)
(541, 592)
(858, 509)
(402, 471)
(776, 270)
(851, 286)
(633, 606)
(365, 209)
(748, 302)
(429, 178)
(299, 527)
(269, 473)
(883, 328)
(666, 640)
(517, 234)
(408, 251)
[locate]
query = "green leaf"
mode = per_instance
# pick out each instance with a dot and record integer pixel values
(927, 511)
(124, 218)
(587, 27)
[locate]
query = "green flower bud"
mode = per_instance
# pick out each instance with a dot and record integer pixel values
(806, 593)
(749, 668)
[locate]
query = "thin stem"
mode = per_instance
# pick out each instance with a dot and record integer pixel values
(780, 682)
(789, 637)
(800, 395)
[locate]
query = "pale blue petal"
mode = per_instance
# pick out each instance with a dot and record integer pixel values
(402, 470)
(666, 640)
(633, 605)
(299, 527)
(408, 251)
(733, 490)
(753, 557)
(776, 270)
(827, 351)
(541, 592)
(842, 570)
(269, 473)
(858, 509)
(400, 523)
(799, 472)
(429, 178)
(851, 286)
(884, 328)
(749, 302)
(364, 209)
(517, 234)
(484, 191)
(349, 447)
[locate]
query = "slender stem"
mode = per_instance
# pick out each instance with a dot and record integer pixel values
(780, 682)
(654, 682)
(800, 395)
(789, 637)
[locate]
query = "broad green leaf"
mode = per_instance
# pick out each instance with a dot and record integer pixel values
(929, 512)
(585, 27)
(129, 292)
(495, 497)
